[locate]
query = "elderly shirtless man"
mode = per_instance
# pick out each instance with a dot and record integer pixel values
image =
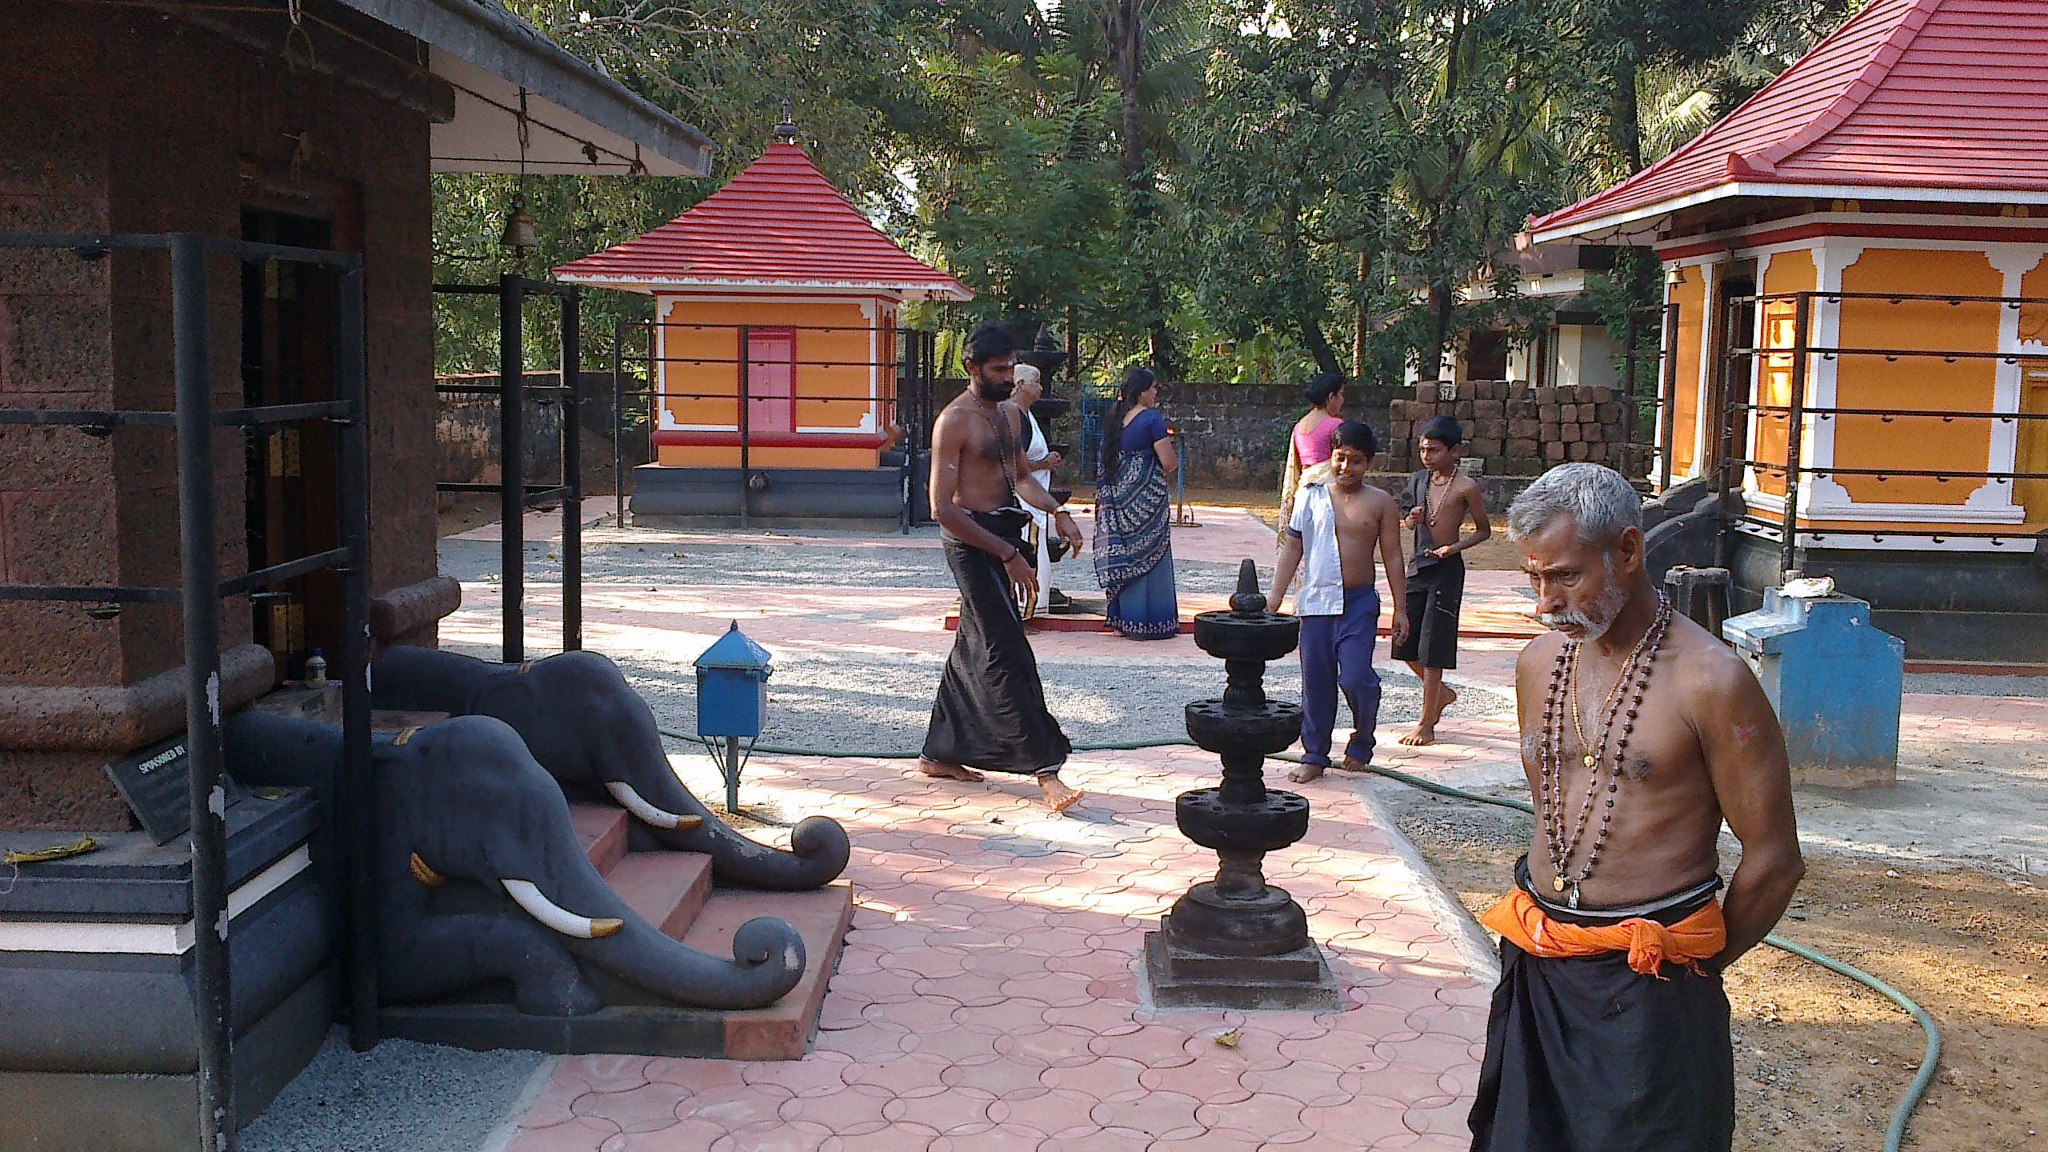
(990, 712)
(1641, 733)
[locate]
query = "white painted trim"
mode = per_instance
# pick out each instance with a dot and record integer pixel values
(143, 939)
(822, 287)
(1740, 189)
(1733, 236)
(2017, 544)
(1855, 512)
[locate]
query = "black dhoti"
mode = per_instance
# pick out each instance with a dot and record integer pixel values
(1586, 1055)
(990, 712)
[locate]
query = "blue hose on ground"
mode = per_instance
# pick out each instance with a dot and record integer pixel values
(1895, 1132)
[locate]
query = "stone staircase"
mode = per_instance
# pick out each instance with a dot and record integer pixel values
(674, 891)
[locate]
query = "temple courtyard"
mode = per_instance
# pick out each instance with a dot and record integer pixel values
(990, 993)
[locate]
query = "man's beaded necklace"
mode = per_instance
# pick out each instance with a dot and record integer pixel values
(1623, 703)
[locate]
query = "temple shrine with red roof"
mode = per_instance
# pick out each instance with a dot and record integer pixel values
(776, 347)
(1856, 270)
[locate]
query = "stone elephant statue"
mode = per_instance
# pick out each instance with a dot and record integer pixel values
(480, 877)
(598, 738)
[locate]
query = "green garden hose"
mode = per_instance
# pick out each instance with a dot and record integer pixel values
(1895, 1132)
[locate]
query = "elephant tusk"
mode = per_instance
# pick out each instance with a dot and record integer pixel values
(425, 875)
(647, 813)
(553, 915)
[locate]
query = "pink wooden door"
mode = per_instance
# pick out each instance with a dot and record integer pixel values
(771, 381)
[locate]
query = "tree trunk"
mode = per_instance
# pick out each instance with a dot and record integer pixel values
(1358, 317)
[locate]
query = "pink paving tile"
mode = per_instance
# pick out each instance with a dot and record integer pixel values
(734, 1109)
(878, 987)
(1252, 1048)
(606, 1073)
(845, 1112)
(1361, 1121)
(1106, 1078)
(578, 1135)
(863, 1044)
(1011, 1017)
(1095, 1019)
(895, 1138)
(1168, 1115)
(779, 1136)
(691, 1135)
(967, 990)
(919, 1014)
(1449, 1120)
(1049, 1112)
(1099, 1140)
(1056, 1046)
(1311, 1082)
(910, 1076)
(943, 1112)
(1217, 1140)
(648, 1108)
(555, 1104)
(953, 1044)
(699, 1076)
(1343, 1050)
(1262, 1115)
(1430, 1050)
(989, 1138)
(820, 1071)
(1158, 1046)
(1052, 989)
(1214, 1081)
(996, 1078)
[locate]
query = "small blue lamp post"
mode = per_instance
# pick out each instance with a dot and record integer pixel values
(732, 703)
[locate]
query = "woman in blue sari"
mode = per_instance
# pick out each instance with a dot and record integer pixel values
(1133, 539)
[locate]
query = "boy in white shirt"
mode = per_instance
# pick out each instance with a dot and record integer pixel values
(1338, 522)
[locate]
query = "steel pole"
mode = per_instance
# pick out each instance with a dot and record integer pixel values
(1795, 420)
(572, 471)
(1667, 412)
(512, 465)
(618, 424)
(746, 423)
(358, 816)
(732, 774)
(201, 603)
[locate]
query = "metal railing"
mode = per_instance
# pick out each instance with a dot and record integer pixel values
(201, 590)
(515, 495)
(1743, 414)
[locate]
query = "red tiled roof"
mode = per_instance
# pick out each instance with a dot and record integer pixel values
(778, 223)
(1942, 98)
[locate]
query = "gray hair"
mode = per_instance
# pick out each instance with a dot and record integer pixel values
(1026, 374)
(1598, 499)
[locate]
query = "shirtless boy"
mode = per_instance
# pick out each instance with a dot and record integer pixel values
(1641, 733)
(1337, 524)
(1442, 500)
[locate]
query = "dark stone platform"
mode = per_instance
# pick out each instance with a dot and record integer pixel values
(1298, 981)
(710, 497)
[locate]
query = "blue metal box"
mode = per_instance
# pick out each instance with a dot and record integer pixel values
(1835, 681)
(732, 686)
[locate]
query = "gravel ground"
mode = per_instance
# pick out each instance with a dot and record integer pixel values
(417, 1097)
(883, 705)
(780, 566)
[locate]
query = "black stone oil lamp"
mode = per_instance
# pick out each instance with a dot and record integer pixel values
(1236, 941)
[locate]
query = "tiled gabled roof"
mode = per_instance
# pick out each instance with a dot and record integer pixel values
(780, 223)
(1914, 99)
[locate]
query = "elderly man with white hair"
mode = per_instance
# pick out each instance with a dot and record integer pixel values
(1041, 461)
(1641, 734)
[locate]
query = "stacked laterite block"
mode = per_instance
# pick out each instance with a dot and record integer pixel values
(1519, 429)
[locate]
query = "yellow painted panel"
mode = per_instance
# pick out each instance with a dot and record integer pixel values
(834, 359)
(691, 456)
(1690, 296)
(1917, 382)
(1788, 272)
(2033, 443)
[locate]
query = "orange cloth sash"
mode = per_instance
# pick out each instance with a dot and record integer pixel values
(1649, 945)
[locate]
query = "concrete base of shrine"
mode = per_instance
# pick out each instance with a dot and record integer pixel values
(1297, 981)
(796, 497)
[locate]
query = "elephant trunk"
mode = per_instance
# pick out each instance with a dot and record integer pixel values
(818, 853)
(768, 955)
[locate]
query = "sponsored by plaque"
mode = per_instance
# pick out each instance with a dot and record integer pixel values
(154, 782)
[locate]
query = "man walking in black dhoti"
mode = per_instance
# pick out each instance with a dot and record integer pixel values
(990, 712)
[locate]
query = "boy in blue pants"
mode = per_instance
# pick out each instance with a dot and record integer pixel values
(1338, 523)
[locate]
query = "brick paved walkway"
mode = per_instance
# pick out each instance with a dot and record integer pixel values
(989, 997)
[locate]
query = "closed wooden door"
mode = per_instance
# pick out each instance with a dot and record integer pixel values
(771, 381)
(2033, 444)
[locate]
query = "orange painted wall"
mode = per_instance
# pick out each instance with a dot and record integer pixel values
(1690, 296)
(700, 374)
(2032, 435)
(1788, 272)
(1917, 382)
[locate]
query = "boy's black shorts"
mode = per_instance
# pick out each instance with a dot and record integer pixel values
(1436, 593)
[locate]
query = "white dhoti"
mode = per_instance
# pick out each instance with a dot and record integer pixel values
(1035, 452)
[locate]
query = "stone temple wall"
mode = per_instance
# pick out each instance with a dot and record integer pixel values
(1519, 429)
(128, 120)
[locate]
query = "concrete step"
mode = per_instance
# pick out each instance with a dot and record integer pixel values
(602, 829)
(781, 1031)
(667, 889)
